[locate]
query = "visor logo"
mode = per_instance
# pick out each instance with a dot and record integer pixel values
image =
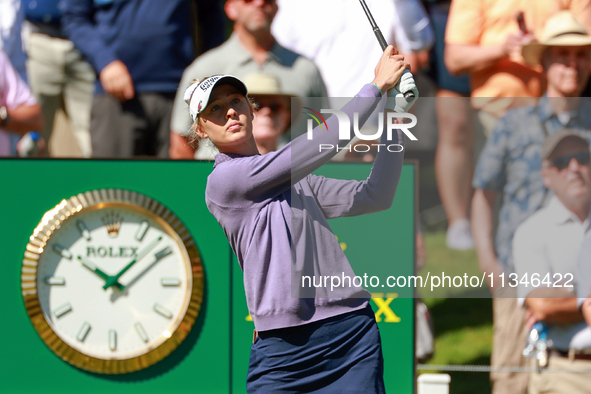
(208, 83)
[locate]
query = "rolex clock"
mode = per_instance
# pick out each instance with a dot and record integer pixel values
(112, 281)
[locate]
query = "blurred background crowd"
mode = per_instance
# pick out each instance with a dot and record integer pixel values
(507, 135)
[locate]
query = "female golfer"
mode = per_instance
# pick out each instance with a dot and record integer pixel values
(274, 213)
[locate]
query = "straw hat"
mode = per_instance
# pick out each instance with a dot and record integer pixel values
(260, 84)
(562, 29)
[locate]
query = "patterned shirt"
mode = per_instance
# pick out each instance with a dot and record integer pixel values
(511, 161)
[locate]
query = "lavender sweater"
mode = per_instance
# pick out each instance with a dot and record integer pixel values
(274, 213)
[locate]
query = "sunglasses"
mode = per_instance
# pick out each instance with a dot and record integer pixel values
(274, 106)
(563, 161)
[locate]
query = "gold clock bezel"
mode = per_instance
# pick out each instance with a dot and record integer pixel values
(100, 199)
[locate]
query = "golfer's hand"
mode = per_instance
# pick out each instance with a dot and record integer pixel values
(117, 81)
(396, 100)
(389, 69)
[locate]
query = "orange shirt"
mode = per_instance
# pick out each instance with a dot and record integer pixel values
(489, 22)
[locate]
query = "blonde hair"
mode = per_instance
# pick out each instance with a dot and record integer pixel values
(193, 138)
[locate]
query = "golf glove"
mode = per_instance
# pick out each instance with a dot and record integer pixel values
(396, 100)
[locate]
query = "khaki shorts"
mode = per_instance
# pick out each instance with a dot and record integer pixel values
(508, 342)
(561, 382)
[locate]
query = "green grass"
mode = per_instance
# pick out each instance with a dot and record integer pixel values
(441, 260)
(463, 326)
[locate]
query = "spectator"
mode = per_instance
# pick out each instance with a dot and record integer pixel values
(546, 247)
(139, 49)
(509, 166)
(454, 157)
(251, 48)
(584, 283)
(273, 116)
(19, 112)
(58, 75)
(346, 38)
(484, 40)
(11, 20)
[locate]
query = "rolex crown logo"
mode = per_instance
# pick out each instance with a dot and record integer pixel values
(112, 222)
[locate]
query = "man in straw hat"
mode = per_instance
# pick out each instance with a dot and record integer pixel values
(483, 39)
(563, 52)
(273, 117)
(546, 250)
(510, 165)
(251, 48)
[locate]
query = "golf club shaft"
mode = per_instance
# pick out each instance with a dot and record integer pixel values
(381, 40)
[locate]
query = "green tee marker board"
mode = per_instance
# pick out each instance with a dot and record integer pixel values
(214, 356)
(32, 187)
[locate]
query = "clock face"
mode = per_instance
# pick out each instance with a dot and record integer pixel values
(111, 275)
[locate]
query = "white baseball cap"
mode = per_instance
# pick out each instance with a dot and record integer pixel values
(197, 95)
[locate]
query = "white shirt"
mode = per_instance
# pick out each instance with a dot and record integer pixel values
(584, 270)
(337, 36)
(549, 242)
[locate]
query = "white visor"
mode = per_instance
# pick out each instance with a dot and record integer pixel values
(197, 95)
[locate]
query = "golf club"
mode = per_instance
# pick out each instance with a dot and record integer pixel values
(382, 42)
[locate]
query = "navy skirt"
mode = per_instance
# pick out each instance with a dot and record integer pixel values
(340, 355)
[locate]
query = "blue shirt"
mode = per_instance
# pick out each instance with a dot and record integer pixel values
(511, 161)
(151, 37)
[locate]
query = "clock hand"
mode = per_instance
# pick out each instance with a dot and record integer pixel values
(113, 280)
(93, 268)
(159, 256)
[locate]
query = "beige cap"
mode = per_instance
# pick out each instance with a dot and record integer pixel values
(562, 29)
(552, 141)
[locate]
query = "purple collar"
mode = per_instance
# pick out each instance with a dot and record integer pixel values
(224, 157)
